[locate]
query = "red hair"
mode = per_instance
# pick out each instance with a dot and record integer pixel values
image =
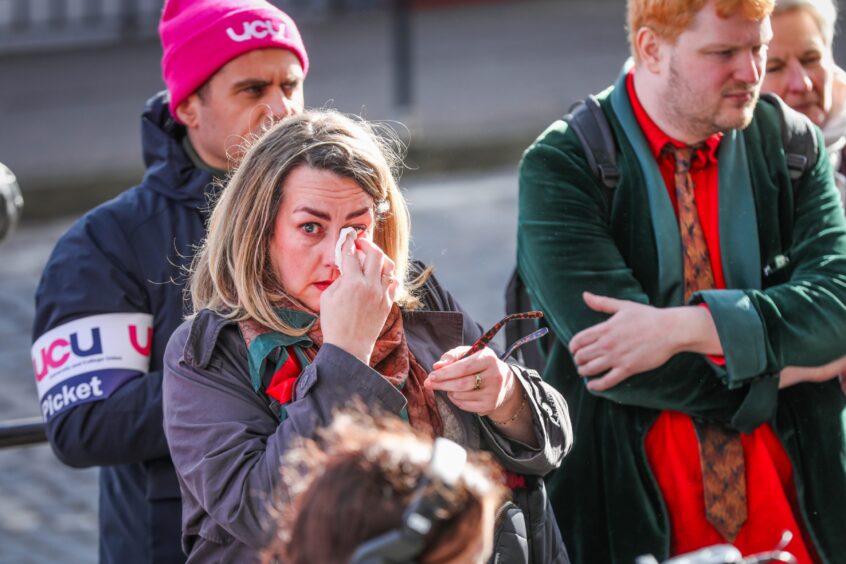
(668, 18)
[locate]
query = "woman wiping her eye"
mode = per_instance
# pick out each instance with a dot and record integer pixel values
(281, 338)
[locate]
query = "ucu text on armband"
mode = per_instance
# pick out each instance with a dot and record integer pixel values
(88, 359)
(256, 29)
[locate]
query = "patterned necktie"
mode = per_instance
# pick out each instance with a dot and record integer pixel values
(720, 448)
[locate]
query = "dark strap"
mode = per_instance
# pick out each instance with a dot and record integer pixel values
(588, 121)
(590, 125)
(798, 137)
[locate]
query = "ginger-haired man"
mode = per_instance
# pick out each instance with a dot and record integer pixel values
(685, 298)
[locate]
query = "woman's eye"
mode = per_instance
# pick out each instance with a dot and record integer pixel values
(310, 228)
(360, 228)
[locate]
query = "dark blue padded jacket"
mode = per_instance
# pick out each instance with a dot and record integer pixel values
(125, 256)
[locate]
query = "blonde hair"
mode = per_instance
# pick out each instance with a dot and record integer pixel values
(669, 18)
(824, 13)
(232, 273)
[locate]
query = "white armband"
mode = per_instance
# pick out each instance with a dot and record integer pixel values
(89, 358)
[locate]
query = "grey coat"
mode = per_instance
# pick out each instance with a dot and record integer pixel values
(227, 443)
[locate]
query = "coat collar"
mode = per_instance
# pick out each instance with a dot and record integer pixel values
(738, 221)
(432, 333)
(429, 334)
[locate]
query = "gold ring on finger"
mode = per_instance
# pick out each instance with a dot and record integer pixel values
(477, 385)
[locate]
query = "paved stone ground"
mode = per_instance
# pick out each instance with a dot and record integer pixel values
(463, 225)
(47, 510)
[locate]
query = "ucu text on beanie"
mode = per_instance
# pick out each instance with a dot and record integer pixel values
(200, 36)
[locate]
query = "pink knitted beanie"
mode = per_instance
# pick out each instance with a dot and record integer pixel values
(200, 36)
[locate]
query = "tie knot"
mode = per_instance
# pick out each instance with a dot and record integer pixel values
(683, 156)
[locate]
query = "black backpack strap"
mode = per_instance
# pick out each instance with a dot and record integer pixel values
(798, 137)
(591, 126)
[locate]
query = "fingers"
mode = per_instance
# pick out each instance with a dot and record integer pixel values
(378, 265)
(614, 377)
(450, 356)
(587, 337)
(479, 362)
(465, 384)
(351, 266)
(373, 259)
(602, 304)
(594, 366)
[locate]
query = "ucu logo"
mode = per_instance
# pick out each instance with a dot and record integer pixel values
(59, 351)
(258, 29)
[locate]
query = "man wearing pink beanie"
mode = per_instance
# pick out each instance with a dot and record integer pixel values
(112, 292)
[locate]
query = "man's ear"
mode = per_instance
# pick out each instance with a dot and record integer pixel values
(188, 110)
(649, 48)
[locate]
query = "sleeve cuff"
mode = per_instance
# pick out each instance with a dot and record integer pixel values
(741, 334)
(515, 455)
(717, 359)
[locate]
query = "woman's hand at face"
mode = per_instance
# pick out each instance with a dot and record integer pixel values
(354, 308)
(480, 383)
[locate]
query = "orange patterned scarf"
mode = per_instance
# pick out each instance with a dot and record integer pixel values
(391, 358)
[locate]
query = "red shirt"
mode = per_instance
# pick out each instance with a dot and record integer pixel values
(672, 447)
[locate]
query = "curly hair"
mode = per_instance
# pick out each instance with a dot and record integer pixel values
(355, 483)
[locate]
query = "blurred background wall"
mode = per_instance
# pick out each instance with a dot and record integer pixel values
(473, 80)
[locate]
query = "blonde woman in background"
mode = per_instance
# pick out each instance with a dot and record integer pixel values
(802, 71)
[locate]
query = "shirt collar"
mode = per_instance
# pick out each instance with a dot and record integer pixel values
(657, 139)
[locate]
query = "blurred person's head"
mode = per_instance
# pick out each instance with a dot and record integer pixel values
(11, 202)
(229, 66)
(272, 234)
(357, 484)
(800, 63)
(699, 63)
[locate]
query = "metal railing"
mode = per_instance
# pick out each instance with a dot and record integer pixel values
(22, 432)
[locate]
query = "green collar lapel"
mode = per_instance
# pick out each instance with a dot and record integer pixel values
(665, 226)
(738, 221)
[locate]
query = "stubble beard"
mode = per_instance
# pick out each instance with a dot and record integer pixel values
(685, 110)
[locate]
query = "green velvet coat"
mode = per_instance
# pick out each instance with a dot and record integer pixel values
(572, 238)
